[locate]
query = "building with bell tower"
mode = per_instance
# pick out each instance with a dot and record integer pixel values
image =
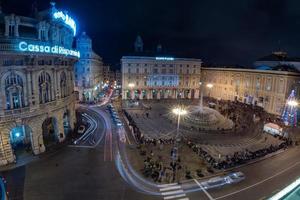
(138, 44)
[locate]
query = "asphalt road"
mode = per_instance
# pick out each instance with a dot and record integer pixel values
(91, 173)
(72, 173)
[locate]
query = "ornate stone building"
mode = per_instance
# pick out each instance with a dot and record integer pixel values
(160, 77)
(266, 88)
(89, 76)
(157, 77)
(37, 107)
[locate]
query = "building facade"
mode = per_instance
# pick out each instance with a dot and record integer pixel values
(37, 108)
(266, 88)
(106, 73)
(145, 77)
(118, 78)
(88, 70)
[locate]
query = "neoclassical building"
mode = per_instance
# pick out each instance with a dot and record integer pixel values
(89, 76)
(145, 77)
(37, 107)
(268, 89)
(158, 76)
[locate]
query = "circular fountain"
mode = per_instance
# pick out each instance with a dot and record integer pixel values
(205, 118)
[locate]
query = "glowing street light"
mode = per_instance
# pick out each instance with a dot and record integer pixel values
(131, 85)
(179, 111)
(293, 103)
(209, 85)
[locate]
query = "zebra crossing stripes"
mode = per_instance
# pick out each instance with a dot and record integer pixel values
(172, 191)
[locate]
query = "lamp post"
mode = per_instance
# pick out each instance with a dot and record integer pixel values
(179, 111)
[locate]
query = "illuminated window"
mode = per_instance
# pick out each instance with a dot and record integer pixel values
(257, 83)
(268, 84)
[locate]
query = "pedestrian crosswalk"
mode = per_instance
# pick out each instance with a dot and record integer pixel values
(172, 191)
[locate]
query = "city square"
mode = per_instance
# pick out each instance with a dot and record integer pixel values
(138, 100)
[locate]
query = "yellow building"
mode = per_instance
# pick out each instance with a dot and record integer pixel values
(266, 88)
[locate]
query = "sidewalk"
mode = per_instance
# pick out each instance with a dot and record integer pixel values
(30, 158)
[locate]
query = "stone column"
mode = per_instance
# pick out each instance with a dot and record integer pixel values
(174, 94)
(166, 94)
(190, 94)
(196, 95)
(148, 92)
(6, 152)
(141, 95)
(16, 28)
(124, 94)
(2, 98)
(37, 142)
(29, 89)
(6, 26)
(132, 94)
(158, 94)
(72, 116)
(60, 127)
(182, 94)
(54, 85)
(35, 90)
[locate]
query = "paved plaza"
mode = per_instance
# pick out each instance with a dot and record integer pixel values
(246, 140)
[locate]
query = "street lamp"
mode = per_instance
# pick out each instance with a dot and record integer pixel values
(293, 103)
(179, 111)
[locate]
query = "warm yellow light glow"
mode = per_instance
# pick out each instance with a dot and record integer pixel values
(209, 85)
(292, 103)
(179, 111)
(131, 85)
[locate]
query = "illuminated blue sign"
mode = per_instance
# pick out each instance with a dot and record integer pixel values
(168, 80)
(164, 58)
(24, 46)
(66, 19)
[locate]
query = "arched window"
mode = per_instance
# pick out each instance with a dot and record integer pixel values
(63, 85)
(45, 94)
(14, 91)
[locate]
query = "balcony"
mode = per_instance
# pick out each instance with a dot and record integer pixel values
(10, 115)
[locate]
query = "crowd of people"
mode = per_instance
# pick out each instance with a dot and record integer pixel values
(158, 171)
(243, 115)
(237, 158)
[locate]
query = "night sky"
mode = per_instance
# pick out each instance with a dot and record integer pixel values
(217, 31)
